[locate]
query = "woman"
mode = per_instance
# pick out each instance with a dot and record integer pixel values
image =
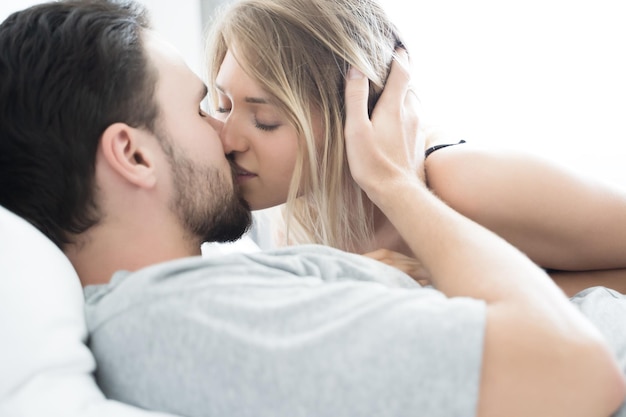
(278, 68)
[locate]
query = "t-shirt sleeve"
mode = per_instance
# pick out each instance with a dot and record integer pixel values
(288, 346)
(606, 309)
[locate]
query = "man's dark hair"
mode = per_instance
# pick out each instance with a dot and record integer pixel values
(68, 70)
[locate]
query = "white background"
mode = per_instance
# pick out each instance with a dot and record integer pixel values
(547, 76)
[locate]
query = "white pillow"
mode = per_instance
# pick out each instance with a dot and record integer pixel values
(45, 367)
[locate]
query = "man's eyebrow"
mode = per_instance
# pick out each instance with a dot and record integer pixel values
(203, 92)
(253, 100)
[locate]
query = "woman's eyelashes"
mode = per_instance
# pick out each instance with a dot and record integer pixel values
(265, 127)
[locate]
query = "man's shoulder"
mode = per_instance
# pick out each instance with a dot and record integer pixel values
(281, 323)
(240, 268)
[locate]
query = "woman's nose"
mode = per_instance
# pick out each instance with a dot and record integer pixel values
(231, 138)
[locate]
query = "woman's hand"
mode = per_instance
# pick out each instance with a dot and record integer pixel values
(406, 264)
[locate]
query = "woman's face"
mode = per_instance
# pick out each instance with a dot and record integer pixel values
(258, 137)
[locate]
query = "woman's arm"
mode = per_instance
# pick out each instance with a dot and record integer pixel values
(570, 282)
(562, 220)
(573, 282)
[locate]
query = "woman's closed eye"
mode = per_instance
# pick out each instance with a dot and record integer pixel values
(266, 127)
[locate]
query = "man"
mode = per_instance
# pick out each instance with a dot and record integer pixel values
(105, 148)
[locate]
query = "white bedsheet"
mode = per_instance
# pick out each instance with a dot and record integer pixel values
(45, 367)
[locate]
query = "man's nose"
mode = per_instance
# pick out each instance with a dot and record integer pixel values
(216, 124)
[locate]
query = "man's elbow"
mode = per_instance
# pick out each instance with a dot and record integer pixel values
(605, 382)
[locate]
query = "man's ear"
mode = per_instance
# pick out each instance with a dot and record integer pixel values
(127, 151)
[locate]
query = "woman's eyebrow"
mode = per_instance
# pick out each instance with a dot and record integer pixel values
(256, 100)
(247, 99)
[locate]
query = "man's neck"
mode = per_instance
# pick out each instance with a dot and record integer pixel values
(101, 252)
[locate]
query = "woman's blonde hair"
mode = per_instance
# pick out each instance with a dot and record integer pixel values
(299, 51)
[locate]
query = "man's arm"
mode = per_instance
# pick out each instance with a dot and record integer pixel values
(561, 219)
(541, 356)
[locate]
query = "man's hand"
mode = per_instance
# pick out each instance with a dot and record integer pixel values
(387, 147)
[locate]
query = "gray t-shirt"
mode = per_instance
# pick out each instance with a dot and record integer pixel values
(606, 309)
(300, 331)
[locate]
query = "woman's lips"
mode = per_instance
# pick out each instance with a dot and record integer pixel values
(242, 174)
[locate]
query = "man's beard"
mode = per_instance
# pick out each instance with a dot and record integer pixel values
(207, 201)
